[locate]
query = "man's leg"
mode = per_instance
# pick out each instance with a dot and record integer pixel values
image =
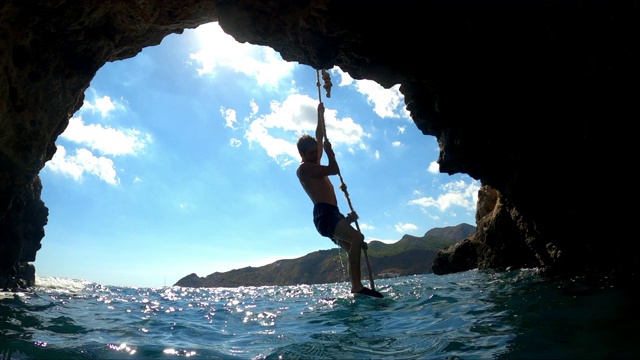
(345, 233)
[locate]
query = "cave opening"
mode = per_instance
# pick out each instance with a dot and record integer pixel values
(182, 159)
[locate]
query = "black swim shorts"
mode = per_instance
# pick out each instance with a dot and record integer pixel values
(326, 217)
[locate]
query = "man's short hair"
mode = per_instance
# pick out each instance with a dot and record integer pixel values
(306, 142)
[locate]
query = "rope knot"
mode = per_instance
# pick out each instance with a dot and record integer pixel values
(327, 82)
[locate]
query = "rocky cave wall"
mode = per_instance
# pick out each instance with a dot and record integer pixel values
(536, 99)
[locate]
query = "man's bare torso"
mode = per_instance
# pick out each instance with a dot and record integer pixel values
(319, 189)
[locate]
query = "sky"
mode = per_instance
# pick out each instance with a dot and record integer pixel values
(182, 160)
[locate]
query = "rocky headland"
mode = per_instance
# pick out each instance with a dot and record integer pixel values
(411, 255)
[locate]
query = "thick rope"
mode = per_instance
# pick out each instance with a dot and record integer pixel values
(327, 86)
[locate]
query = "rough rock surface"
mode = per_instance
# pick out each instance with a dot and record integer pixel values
(535, 99)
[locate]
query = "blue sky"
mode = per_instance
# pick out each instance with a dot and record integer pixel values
(182, 160)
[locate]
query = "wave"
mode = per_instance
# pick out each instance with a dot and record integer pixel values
(61, 284)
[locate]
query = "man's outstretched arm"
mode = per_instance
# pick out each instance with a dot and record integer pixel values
(320, 129)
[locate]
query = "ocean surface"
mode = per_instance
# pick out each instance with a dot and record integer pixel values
(469, 315)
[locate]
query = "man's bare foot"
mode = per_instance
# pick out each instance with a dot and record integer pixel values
(368, 292)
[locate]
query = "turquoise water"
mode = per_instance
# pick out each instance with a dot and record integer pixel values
(469, 315)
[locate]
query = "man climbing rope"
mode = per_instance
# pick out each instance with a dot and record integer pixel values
(327, 218)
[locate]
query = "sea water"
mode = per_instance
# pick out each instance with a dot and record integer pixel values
(468, 315)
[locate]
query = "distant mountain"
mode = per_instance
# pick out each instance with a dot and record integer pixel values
(452, 232)
(409, 255)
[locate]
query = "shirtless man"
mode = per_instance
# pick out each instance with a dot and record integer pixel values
(326, 215)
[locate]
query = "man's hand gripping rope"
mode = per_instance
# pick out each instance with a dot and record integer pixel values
(352, 217)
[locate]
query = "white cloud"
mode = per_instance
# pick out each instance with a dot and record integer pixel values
(90, 138)
(366, 226)
(387, 103)
(103, 105)
(106, 140)
(457, 193)
(254, 107)
(297, 115)
(434, 167)
(83, 162)
(345, 78)
(221, 50)
(396, 144)
(282, 151)
(229, 116)
(405, 227)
